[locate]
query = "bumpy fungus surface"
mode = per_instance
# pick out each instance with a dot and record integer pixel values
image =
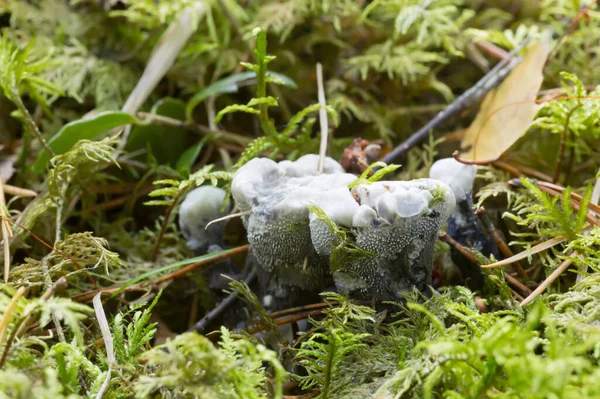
(396, 221)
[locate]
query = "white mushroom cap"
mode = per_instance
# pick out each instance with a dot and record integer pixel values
(458, 176)
(201, 206)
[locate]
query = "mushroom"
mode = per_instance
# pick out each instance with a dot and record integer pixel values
(396, 223)
(201, 206)
(463, 224)
(290, 271)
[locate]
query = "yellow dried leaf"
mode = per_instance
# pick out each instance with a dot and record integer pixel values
(507, 111)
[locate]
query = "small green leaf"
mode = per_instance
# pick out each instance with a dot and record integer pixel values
(82, 129)
(235, 108)
(186, 160)
(166, 143)
(366, 179)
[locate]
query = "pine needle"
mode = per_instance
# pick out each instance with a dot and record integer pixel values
(542, 287)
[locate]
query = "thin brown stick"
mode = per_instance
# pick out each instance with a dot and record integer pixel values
(517, 283)
(457, 246)
(520, 170)
(500, 243)
(89, 295)
(555, 189)
(201, 324)
(288, 320)
(492, 49)
(120, 201)
(456, 156)
(205, 130)
(297, 309)
(115, 188)
(546, 283)
(194, 266)
(466, 253)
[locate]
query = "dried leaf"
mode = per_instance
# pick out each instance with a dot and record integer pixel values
(507, 111)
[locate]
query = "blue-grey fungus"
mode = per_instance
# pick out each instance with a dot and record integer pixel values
(201, 206)
(396, 222)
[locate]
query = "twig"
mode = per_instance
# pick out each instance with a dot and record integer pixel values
(466, 100)
(89, 295)
(500, 243)
(195, 127)
(458, 247)
(542, 287)
(520, 170)
(201, 324)
(322, 117)
(287, 320)
(297, 309)
(517, 283)
(456, 156)
(117, 202)
(467, 254)
(492, 49)
(196, 265)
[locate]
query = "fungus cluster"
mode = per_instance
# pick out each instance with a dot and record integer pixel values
(394, 223)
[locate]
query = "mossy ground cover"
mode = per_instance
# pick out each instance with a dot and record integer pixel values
(99, 289)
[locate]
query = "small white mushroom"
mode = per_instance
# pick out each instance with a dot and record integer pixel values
(459, 176)
(201, 206)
